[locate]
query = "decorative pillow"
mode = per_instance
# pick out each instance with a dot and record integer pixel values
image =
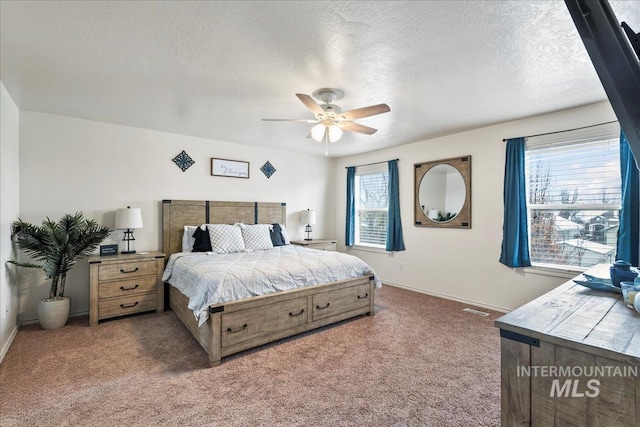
(225, 238)
(275, 233)
(187, 237)
(256, 237)
(285, 236)
(202, 240)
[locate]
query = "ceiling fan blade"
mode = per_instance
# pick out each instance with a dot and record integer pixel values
(290, 120)
(355, 127)
(371, 110)
(310, 103)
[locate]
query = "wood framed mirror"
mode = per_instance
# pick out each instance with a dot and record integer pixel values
(442, 193)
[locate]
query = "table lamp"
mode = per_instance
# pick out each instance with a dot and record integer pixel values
(308, 217)
(128, 219)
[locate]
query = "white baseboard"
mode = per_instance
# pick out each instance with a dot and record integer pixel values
(6, 346)
(34, 321)
(439, 295)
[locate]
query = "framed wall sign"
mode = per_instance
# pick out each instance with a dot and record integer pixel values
(230, 168)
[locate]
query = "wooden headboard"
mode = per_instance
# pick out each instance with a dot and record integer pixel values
(178, 213)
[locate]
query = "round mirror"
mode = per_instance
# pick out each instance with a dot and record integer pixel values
(442, 193)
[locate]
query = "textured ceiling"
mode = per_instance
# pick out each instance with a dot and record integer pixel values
(214, 69)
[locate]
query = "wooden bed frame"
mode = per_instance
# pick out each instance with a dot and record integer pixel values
(240, 325)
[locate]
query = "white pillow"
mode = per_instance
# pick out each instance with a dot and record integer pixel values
(187, 238)
(285, 236)
(225, 238)
(256, 237)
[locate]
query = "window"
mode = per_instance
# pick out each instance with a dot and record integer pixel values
(371, 205)
(573, 184)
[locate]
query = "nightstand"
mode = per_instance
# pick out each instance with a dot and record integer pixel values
(321, 244)
(125, 284)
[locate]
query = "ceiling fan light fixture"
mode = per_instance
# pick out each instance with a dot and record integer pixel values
(321, 132)
(335, 133)
(317, 132)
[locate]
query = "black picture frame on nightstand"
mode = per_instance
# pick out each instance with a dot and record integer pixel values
(108, 250)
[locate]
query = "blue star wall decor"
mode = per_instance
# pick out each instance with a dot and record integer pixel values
(183, 161)
(268, 169)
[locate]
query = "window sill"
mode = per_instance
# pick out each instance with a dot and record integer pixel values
(369, 249)
(547, 270)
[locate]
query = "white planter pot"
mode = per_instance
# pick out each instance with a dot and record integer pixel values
(53, 313)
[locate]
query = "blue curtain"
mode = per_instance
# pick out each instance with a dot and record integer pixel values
(629, 228)
(515, 234)
(350, 226)
(394, 223)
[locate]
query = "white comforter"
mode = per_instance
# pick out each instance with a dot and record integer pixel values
(207, 278)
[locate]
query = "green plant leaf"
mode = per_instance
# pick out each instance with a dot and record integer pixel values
(57, 245)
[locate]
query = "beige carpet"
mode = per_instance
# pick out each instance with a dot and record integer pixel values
(420, 361)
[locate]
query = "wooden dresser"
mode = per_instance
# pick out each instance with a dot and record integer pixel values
(571, 358)
(322, 244)
(125, 284)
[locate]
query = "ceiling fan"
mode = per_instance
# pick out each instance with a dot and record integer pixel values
(330, 119)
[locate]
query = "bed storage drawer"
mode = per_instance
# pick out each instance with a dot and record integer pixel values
(245, 325)
(327, 304)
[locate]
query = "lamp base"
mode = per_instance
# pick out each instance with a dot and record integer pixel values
(128, 237)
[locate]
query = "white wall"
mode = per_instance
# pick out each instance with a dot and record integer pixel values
(69, 165)
(462, 263)
(9, 204)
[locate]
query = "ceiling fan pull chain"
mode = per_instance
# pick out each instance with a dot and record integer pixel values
(326, 141)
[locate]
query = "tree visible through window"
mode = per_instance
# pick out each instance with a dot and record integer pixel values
(372, 205)
(573, 201)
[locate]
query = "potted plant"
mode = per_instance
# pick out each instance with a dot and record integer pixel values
(55, 247)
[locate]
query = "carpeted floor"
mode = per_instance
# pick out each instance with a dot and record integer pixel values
(420, 361)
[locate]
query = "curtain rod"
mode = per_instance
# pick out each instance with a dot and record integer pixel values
(369, 164)
(567, 130)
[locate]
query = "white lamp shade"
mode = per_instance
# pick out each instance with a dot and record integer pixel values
(308, 217)
(128, 218)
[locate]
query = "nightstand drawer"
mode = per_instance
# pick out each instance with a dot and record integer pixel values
(329, 304)
(319, 244)
(324, 247)
(127, 287)
(127, 305)
(127, 270)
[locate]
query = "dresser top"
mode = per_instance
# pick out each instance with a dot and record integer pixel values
(138, 256)
(581, 318)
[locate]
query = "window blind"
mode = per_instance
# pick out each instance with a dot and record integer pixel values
(371, 205)
(573, 183)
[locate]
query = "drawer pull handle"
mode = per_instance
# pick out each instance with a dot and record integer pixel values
(294, 315)
(128, 271)
(129, 306)
(365, 295)
(322, 308)
(233, 331)
(122, 288)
